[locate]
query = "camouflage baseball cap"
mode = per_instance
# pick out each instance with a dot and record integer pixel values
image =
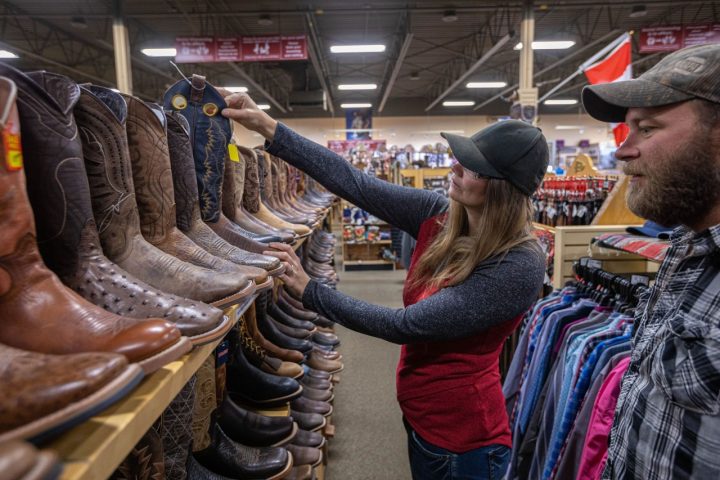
(692, 72)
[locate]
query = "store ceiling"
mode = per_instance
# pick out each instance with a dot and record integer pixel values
(74, 37)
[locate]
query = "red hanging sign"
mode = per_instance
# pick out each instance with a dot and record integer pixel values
(294, 48)
(661, 39)
(228, 49)
(261, 48)
(194, 49)
(701, 34)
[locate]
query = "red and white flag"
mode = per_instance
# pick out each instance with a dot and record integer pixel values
(616, 66)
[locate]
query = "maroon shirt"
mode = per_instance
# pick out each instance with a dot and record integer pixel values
(450, 391)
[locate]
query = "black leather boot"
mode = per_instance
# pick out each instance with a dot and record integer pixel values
(253, 429)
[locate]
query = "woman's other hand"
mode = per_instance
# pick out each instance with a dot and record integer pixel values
(294, 278)
(243, 110)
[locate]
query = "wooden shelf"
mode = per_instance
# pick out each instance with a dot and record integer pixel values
(95, 448)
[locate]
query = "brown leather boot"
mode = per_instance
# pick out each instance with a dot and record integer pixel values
(154, 194)
(274, 350)
(253, 205)
(233, 184)
(22, 461)
(100, 114)
(188, 215)
(46, 394)
(259, 357)
(32, 298)
(268, 187)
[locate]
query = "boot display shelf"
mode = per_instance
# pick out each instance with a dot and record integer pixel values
(93, 449)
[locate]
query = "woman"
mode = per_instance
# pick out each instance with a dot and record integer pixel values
(475, 270)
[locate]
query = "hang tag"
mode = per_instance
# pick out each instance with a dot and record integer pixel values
(640, 279)
(594, 263)
(233, 152)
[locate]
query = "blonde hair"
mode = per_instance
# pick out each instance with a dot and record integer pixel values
(505, 223)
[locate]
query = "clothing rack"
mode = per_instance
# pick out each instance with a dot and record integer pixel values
(562, 385)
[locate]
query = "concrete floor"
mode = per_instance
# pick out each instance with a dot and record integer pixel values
(370, 442)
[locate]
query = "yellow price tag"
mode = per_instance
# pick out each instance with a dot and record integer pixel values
(233, 152)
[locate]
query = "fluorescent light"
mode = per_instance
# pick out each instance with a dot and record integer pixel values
(548, 45)
(6, 54)
(236, 89)
(561, 101)
(568, 127)
(159, 52)
(263, 106)
(458, 103)
(486, 84)
(357, 48)
(355, 105)
(358, 86)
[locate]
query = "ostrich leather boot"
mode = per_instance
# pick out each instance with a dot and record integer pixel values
(100, 114)
(215, 279)
(201, 105)
(37, 312)
(188, 208)
(233, 183)
(253, 205)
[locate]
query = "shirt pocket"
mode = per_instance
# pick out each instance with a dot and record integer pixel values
(686, 364)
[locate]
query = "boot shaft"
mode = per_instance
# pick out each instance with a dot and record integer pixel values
(183, 171)
(148, 146)
(251, 190)
(200, 103)
(101, 115)
(265, 176)
(57, 184)
(229, 192)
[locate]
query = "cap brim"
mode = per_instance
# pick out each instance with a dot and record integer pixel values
(469, 156)
(609, 102)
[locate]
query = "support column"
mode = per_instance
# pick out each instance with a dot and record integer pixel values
(526, 104)
(121, 44)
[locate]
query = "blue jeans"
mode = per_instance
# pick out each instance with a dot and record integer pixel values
(428, 462)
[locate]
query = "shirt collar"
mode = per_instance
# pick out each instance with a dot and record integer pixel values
(683, 235)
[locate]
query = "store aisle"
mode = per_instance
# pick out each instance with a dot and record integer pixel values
(369, 443)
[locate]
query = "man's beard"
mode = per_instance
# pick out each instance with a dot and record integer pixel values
(680, 188)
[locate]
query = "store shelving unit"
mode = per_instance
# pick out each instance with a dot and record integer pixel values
(95, 448)
(368, 253)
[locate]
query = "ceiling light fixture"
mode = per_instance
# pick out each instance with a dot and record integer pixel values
(486, 85)
(449, 16)
(458, 103)
(415, 76)
(357, 48)
(561, 101)
(638, 11)
(568, 127)
(236, 89)
(548, 45)
(159, 52)
(265, 20)
(355, 105)
(7, 54)
(357, 86)
(263, 106)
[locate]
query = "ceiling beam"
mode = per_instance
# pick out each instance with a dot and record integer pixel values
(396, 70)
(318, 61)
(501, 43)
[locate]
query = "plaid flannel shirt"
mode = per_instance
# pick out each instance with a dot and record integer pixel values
(667, 420)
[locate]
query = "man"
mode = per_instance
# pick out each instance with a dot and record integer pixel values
(667, 420)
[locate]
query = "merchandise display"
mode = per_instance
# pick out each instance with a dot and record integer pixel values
(133, 283)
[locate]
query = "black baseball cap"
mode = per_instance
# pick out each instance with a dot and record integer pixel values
(512, 150)
(693, 72)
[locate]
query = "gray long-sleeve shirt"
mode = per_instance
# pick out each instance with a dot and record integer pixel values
(495, 292)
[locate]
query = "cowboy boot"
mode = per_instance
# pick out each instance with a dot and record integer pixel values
(175, 430)
(22, 461)
(284, 185)
(188, 211)
(259, 357)
(201, 104)
(205, 403)
(241, 215)
(252, 326)
(194, 269)
(44, 395)
(233, 181)
(229, 197)
(145, 460)
(32, 298)
(100, 114)
(267, 188)
(253, 205)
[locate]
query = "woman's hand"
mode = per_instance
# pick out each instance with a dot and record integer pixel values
(243, 110)
(294, 278)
